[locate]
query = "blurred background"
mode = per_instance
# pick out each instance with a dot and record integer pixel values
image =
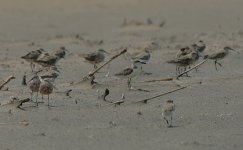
(31, 19)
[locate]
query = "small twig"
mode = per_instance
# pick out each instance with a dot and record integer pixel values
(114, 103)
(112, 58)
(5, 82)
(147, 99)
(199, 64)
(158, 80)
(25, 123)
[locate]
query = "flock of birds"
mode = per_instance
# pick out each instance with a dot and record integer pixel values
(185, 57)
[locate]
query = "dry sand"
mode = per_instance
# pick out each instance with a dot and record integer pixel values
(207, 116)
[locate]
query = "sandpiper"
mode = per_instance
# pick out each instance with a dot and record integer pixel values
(184, 60)
(61, 52)
(33, 56)
(46, 88)
(217, 55)
(34, 85)
(167, 108)
(131, 72)
(144, 56)
(95, 57)
(200, 46)
(47, 60)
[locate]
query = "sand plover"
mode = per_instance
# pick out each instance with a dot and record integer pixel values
(34, 85)
(95, 57)
(167, 108)
(47, 60)
(217, 55)
(61, 52)
(46, 88)
(184, 60)
(131, 72)
(143, 57)
(200, 46)
(33, 56)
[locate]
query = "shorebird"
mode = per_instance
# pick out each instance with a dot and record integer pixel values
(151, 46)
(34, 85)
(167, 108)
(33, 56)
(130, 72)
(61, 52)
(184, 60)
(46, 88)
(47, 60)
(144, 56)
(95, 57)
(200, 46)
(183, 51)
(217, 55)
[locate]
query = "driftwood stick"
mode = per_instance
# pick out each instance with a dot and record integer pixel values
(112, 58)
(114, 103)
(188, 70)
(147, 99)
(6, 82)
(158, 80)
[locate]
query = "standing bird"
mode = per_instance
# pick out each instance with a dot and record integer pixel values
(217, 55)
(47, 60)
(33, 56)
(46, 88)
(142, 57)
(61, 52)
(34, 85)
(167, 108)
(200, 46)
(184, 61)
(95, 57)
(131, 72)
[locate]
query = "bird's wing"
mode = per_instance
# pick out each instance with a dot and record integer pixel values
(219, 54)
(90, 57)
(125, 72)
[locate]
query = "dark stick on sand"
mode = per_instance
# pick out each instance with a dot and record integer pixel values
(114, 103)
(188, 70)
(147, 99)
(6, 82)
(158, 80)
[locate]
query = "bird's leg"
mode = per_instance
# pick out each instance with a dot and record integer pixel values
(95, 66)
(36, 99)
(48, 100)
(31, 96)
(31, 66)
(171, 121)
(177, 70)
(129, 83)
(219, 64)
(215, 64)
(166, 121)
(42, 98)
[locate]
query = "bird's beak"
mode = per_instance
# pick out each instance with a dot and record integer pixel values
(142, 62)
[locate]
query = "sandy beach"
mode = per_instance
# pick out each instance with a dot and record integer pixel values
(208, 113)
